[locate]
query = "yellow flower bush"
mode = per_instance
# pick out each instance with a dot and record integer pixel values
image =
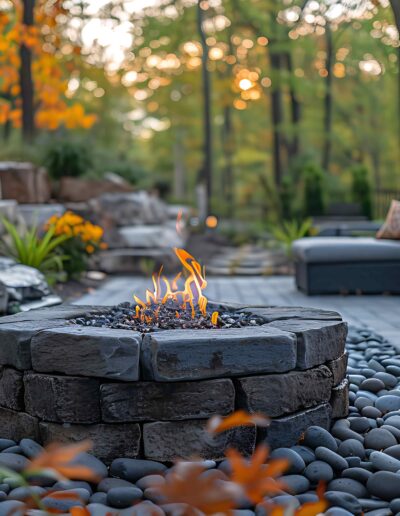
(84, 239)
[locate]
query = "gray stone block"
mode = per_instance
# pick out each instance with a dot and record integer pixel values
(11, 389)
(282, 313)
(317, 341)
(15, 341)
(177, 355)
(18, 425)
(109, 441)
(167, 441)
(338, 368)
(87, 351)
(278, 394)
(340, 400)
(62, 399)
(150, 401)
(287, 431)
(54, 313)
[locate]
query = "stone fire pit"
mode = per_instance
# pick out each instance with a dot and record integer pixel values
(150, 395)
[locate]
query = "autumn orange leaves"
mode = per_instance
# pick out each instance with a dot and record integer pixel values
(190, 486)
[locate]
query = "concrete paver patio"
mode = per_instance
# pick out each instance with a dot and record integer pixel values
(382, 313)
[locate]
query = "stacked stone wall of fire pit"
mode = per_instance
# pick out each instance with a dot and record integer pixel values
(151, 396)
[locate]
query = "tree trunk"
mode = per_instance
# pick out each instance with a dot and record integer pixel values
(206, 172)
(26, 81)
(179, 169)
(277, 117)
(227, 146)
(294, 147)
(328, 100)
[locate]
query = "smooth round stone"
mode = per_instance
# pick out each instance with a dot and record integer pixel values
(344, 500)
(98, 509)
(372, 385)
(318, 470)
(13, 461)
(307, 498)
(353, 410)
(379, 421)
(122, 497)
(30, 448)
(395, 505)
(353, 387)
(6, 443)
(388, 403)
(359, 474)
(348, 485)
(93, 463)
(98, 498)
(367, 465)
(373, 422)
(353, 462)
(62, 505)
(343, 432)
(12, 507)
(316, 436)
(13, 449)
(337, 462)
(388, 379)
(361, 402)
(25, 493)
(371, 412)
(337, 511)
(376, 366)
(393, 421)
(297, 464)
(370, 504)
(109, 483)
(156, 480)
(295, 484)
(394, 392)
(356, 379)
(393, 430)
(379, 438)
(384, 462)
(366, 394)
(384, 485)
(391, 361)
(350, 448)
(215, 474)
(306, 453)
(383, 392)
(393, 451)
(133, 469)
(379, 512)
(369, 373)
(5, 488)
(67, 485)
(352, 397)
(359, 424)
(394, 370)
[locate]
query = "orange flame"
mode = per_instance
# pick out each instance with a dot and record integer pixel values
(189, 297)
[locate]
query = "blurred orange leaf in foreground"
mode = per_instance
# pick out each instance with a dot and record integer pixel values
(219, 424)
(57, 459)
(257, 478)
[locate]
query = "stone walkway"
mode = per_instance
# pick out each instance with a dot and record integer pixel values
(381, 313)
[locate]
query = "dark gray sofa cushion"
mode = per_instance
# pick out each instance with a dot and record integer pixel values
(345, 250)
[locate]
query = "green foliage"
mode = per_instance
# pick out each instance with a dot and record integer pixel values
(313, 177)
(30, 249)
(291, 230)
(361, 189)
(68, 158)
(286, 196)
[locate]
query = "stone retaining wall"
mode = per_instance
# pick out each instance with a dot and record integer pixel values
(151, 396)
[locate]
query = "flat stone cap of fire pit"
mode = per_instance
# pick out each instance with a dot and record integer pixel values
(177, 355)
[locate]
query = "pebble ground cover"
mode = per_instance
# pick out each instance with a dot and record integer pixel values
(359, 458)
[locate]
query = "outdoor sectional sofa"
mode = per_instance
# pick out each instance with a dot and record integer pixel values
(347, 265)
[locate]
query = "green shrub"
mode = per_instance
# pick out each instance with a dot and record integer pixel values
(286, 198)
(361, 189)
(291, 230)
(313, 177)
(40, 252)
(68, 158)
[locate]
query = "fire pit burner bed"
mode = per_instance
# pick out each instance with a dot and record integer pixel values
(150, 394)
(170, 316)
